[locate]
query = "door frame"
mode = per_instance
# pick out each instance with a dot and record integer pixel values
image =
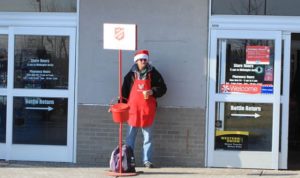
(216, 157)
(285, 100)
(60, 24)
(3, 92)
(286, 25)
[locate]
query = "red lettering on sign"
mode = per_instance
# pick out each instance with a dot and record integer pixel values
(241, 88)
(258, 55)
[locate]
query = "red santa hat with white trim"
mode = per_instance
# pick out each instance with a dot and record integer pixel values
(141, 54)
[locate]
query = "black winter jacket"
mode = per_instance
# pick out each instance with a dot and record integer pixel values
(158, 85)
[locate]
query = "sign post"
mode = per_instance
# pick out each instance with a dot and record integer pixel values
(120, 37)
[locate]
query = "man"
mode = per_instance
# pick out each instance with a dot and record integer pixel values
(142, 85)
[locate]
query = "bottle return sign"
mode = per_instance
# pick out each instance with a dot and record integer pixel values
(119, 36)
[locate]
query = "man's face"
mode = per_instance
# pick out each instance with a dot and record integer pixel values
(142, 63)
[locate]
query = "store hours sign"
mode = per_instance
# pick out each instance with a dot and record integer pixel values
(252, 74)
(41, 62)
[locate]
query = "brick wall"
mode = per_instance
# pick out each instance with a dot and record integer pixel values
(179, 135)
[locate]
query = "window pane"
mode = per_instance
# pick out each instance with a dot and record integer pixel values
(238, 7)
(283, 8)
(38, 5)
(256, 7)
(41, 62)
(243, 126)
(3, 60)
(40, 121)
(245, 66)
(2, 119)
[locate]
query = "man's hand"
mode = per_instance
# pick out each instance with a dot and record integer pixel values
(149, 92)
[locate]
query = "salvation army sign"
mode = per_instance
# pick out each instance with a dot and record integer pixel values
(119, 36)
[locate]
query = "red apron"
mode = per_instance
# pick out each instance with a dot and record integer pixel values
(142, 111)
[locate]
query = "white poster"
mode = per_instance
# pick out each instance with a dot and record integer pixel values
(119, 36)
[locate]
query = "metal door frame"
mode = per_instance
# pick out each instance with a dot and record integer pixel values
(57, 24)
(274, 99)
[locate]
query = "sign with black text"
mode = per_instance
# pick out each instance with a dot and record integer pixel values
(232, 140)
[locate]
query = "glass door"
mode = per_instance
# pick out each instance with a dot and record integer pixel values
(244, 99)
(40, 94)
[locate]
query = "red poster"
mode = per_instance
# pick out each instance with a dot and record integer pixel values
(258, 55)
(241, 88)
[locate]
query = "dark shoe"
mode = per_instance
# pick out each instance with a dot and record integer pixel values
(148, 164)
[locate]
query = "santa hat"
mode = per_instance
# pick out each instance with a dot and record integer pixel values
(141, 54)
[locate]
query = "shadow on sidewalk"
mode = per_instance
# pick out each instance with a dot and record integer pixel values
(41, 164)
(165, 173)
(263, 173)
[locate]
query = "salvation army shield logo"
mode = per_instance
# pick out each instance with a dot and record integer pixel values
(141, 86)
(119, 33)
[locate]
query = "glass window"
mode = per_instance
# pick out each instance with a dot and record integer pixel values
(284, 8)
(2, 119)
(41, 121)
(41, 62)
(238, 7)
(245, 66)
(243, 126)
(38, 5)
(256, 7)
(3, 60)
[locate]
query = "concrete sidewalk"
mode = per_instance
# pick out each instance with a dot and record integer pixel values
(75, 171)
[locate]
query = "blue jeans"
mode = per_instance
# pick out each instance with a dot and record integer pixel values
(147, 144)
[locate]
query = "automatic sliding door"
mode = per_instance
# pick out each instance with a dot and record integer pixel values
(244, 104)
(40, 94)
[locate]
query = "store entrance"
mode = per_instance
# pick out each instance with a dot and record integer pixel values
(244, 101)
(294, 111)
(37, 75)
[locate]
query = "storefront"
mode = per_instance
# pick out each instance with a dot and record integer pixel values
(253, 66)
(57, 81)
(37, 80)
(231, 68)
